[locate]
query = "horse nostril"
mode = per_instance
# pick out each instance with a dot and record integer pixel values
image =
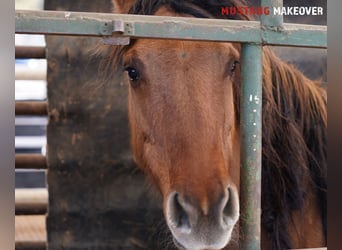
(227, 210)
(230, 209)
(177, 215)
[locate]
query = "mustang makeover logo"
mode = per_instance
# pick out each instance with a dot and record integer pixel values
(286, 11)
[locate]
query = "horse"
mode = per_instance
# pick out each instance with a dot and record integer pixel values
(184, 116)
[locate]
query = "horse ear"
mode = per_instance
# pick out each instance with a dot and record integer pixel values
(122, 6)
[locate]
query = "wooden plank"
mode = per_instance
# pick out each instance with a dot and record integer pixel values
(25, 52)
(30, 232)
(30, 161)
(30, 245)
(38, 108)
(31, 201)
(25, 73)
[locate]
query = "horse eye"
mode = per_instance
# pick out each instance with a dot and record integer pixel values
(233, 67)
(133, 74)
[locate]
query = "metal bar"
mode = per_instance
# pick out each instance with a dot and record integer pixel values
(138, 26)
(82, 23)
(30, 245)
(25, 52)
(271, 21)
(38, 108)
(31, 201)
(251, 131)
(293, 35)
(30, 161)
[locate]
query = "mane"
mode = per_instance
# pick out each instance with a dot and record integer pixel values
(294, 146)
(294, 132)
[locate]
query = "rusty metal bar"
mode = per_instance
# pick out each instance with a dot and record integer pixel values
(31, 201)
(38, 108)
(184, 28)
(26, 52)
(30, 245)
(30, 161)
(251, 134)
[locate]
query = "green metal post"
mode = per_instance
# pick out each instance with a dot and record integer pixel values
(251, 131)
(272, 21)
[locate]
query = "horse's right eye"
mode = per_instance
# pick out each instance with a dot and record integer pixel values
(233, 66)
(133, 74)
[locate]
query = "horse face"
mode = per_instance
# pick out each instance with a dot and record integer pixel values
(185, 136)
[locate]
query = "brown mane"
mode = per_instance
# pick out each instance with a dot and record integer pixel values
(294, 128)
(294, 146)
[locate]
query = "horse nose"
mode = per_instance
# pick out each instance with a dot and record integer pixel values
(209, 222)
(180, 212)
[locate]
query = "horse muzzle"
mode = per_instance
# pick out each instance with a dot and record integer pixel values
(198, 227)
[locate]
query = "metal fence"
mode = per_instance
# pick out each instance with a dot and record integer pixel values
(252, 34)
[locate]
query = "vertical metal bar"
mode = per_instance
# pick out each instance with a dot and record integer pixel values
(271, 20)
(251, 131)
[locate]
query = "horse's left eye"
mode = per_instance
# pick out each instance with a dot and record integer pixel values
(233, 67)
(133, 74)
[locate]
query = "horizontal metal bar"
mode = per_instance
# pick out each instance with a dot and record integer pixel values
(25, 52)
(30, 161)
(30, 245)
(60, 22)
(137, 26)
(31, 201)
(296, 36)
(38, 108)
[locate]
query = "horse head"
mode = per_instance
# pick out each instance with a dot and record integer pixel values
(185, 134)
